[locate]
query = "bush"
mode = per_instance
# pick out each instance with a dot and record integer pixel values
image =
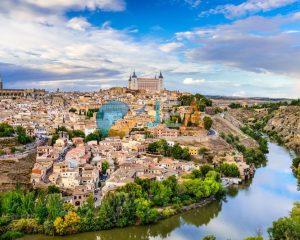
(6, 130)
(207, 122)
(229, 170)
(26, 225)
(5, 220)
(67, 225)
(168, 212)
(296, 162)
(11, 235)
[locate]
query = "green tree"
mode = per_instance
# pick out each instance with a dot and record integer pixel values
(288, 227)
(6, 130)
(207, 122)
(229, 170)
(296, 162)
(54, 206)
(95, 136)
(76, 133)
(144, 212)
(23, 138)
(86, 213)
(104, 166)
(40, 210)
(160, 193)
(52, 189)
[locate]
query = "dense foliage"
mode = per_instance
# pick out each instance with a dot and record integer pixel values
(288, 227)
(229, 170)
(207, 122)
(135, 203)
(23, 138)
(95, 136)
(199, 100)
(235, 105)
(6, 130)
(162, 147)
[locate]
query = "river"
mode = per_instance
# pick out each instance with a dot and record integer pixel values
(248, 208)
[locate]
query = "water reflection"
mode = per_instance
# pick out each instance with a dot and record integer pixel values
(251, 206)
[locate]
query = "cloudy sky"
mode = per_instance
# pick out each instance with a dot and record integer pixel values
(216, 47)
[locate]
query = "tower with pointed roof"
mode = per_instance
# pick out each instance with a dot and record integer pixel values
(134, 81)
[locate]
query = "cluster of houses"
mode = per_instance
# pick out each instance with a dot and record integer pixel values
(77, 167)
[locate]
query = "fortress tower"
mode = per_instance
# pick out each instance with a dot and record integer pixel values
(148, 84)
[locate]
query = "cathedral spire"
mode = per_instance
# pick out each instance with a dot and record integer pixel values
(134, 75)
(160, 75)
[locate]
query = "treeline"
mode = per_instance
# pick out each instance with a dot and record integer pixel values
(135, 203)
(223, 169)
(7, 130)
(252, 155)
(138, 203)
(235, 105)
(162, 147)
(201, 101)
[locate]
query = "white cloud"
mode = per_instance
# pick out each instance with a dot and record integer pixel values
(73, 49)
(193, 3)
(249, 7)
(169, 47)
(191, 81)
(256, 44)
(109, 5)
(78, 23)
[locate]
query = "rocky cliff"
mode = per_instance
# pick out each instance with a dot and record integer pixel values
(16, 169)
(285, 126)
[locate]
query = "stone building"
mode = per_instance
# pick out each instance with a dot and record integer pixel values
(147, 84)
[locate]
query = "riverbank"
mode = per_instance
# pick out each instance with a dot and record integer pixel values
(221, 218)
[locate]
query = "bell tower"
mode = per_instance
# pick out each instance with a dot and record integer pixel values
(161, 81)
(134, 83)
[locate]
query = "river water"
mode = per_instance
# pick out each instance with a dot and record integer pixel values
(249, 208)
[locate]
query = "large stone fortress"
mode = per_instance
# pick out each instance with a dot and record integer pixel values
(20, 93)
(148, 84)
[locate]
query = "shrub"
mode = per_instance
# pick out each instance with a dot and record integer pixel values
(67, 225)
(26, 225)
(229, 170)
(9, 235)
(168, 212)
(207, 122)
(5, 220)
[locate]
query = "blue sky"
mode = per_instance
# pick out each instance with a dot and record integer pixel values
(221, 47)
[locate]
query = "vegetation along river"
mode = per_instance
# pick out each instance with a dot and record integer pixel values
(247, 208)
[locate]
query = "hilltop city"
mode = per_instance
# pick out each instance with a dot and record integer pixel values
(90, 145)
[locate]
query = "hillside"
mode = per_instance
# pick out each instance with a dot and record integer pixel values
(284, 126)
